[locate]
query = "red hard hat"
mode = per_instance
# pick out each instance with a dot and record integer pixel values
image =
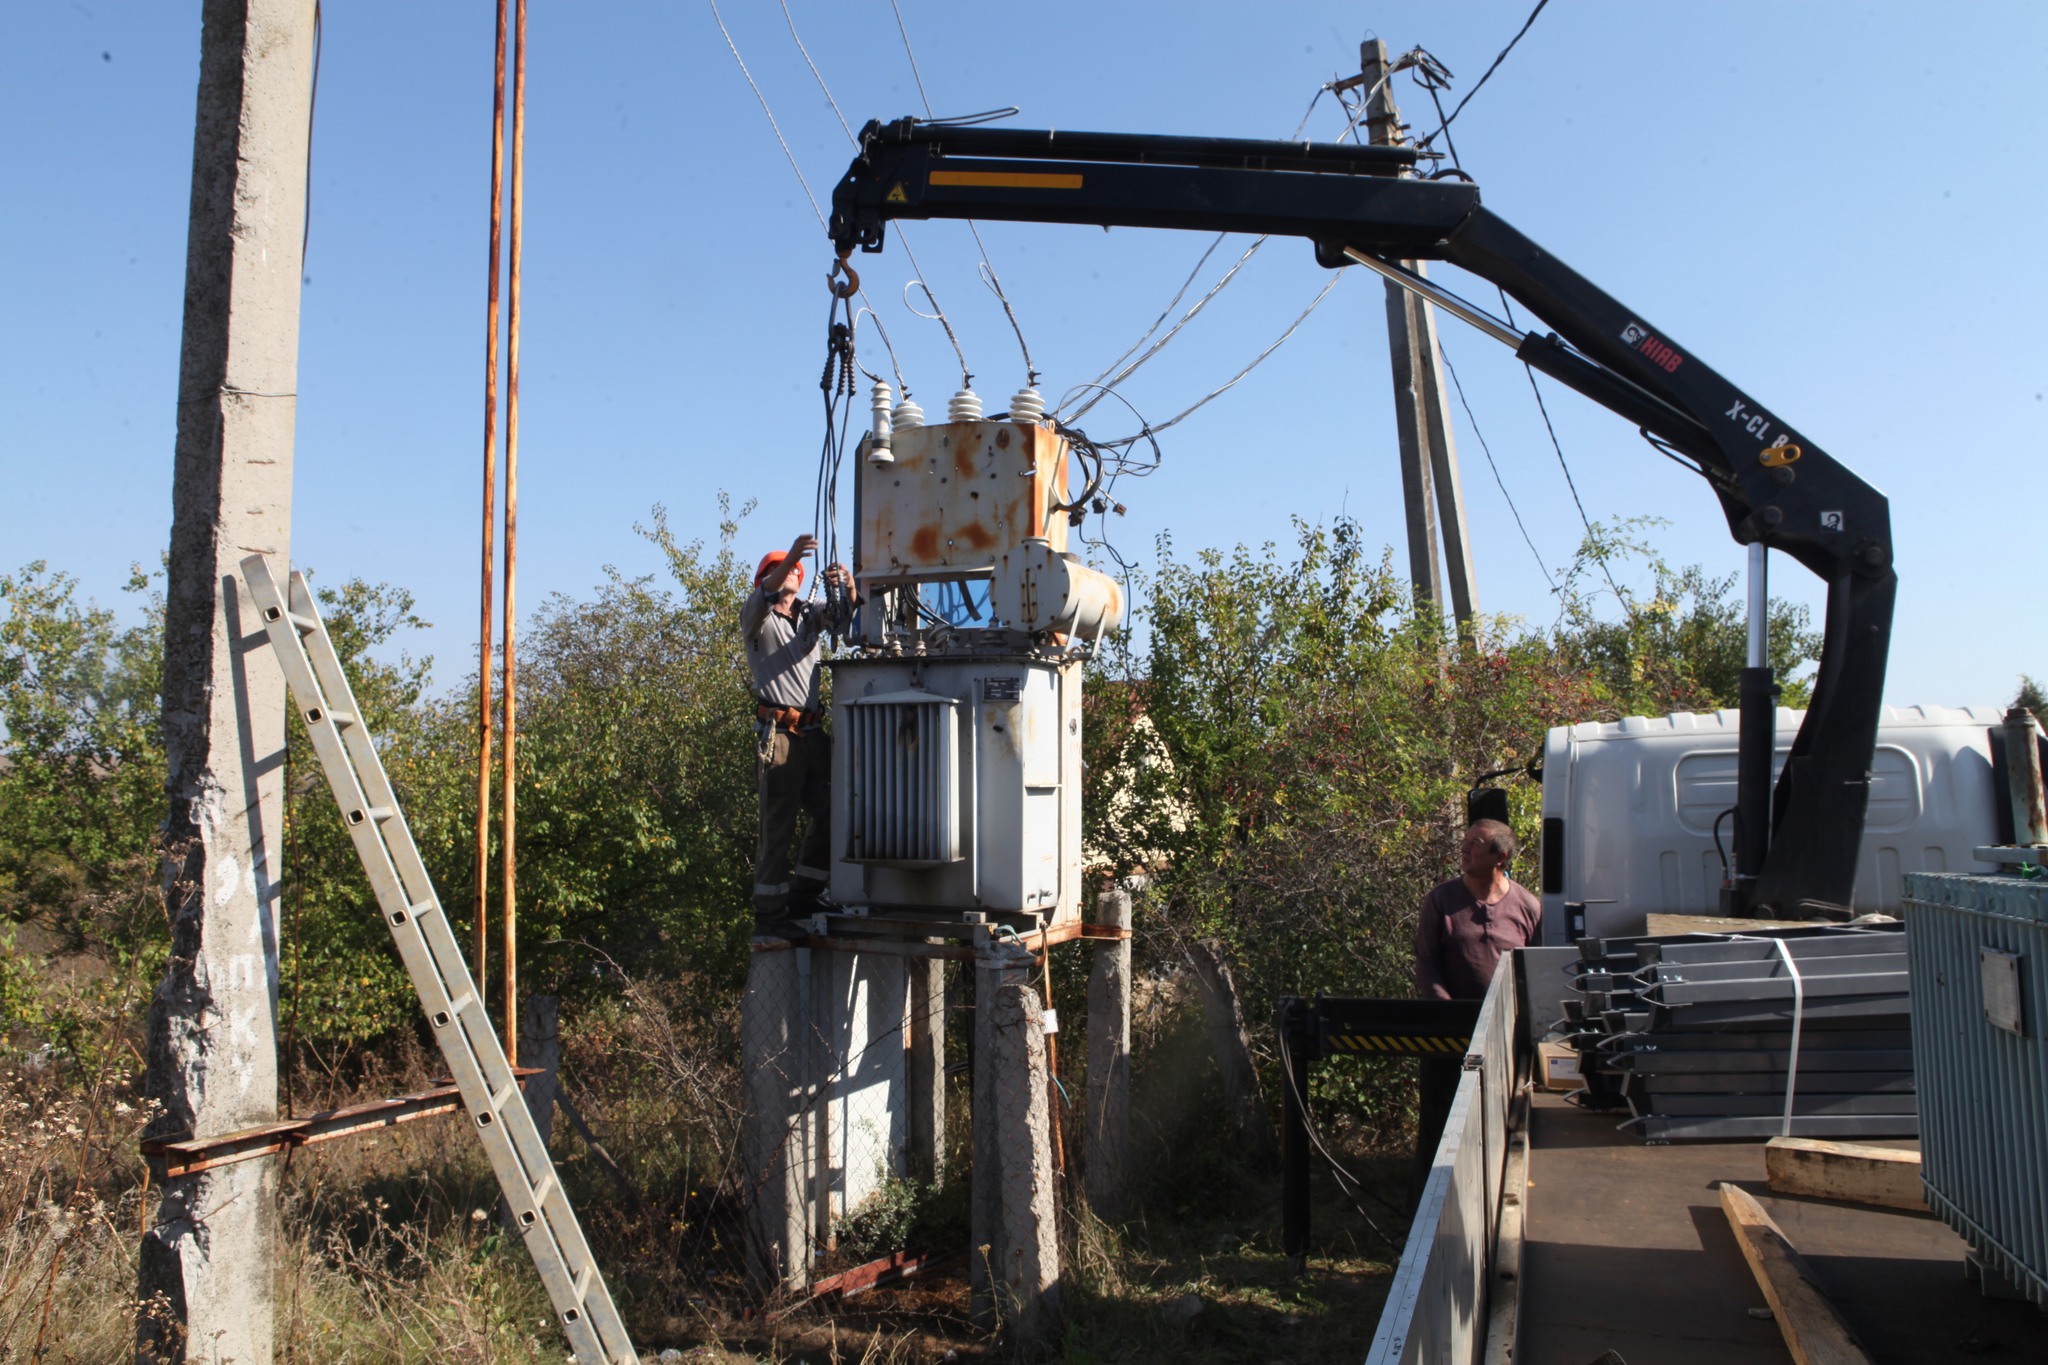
(770, 560)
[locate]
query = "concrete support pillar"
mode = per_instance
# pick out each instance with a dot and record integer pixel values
(928, 1069)
(205, 1267)
(1015, 1242)
(1108, 1112)
(774, 1047)
(540, 1045)
(863, 1107)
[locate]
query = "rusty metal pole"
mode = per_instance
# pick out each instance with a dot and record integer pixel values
(511, 892)
(1052, 1073)
(490, 596)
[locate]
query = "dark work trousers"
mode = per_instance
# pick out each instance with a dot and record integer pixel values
(794, 775)
(1433, 1106)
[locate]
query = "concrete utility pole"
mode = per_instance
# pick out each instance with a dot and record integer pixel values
(1109, 1061)
(206, 1264)
(1429, 457)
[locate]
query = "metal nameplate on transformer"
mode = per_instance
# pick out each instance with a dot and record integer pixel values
(1999, 973)
(1009, 688)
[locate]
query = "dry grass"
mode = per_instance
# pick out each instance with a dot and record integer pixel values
(391, 1250)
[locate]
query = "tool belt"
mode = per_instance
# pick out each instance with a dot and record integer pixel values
(787, 717)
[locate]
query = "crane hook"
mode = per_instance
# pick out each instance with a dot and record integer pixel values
(845, 290)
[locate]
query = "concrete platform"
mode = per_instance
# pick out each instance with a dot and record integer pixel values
(1627, 1250)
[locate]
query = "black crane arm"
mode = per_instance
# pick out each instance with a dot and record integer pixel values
(1775, 485)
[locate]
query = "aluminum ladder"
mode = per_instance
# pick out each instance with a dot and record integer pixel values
(462, 1025)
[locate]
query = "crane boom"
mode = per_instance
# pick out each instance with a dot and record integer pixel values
(1776, 487)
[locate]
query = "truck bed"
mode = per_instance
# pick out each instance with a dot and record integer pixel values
(1626, 1249)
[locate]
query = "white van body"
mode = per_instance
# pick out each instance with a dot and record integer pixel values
(1635, 801)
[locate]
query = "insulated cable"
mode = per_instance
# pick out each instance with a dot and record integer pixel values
(1444, 127)
(989, 278)
(1112, 376)
(1487, 450)
(937, 315)
(1557, 445)
(902, 384)
(1350, 1184)
(1256, 361)
(790, 156)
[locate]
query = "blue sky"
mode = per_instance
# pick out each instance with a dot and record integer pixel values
(1838, 206)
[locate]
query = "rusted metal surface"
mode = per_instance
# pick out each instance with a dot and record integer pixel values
(480, 949)
(900, 1265)
(169, 1158)
(508, 848)
(958, 495)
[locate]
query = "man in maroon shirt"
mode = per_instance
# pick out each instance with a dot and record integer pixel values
(1465, 925)
(1470, 920)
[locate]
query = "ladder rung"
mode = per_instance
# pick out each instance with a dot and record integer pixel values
(458, 1013)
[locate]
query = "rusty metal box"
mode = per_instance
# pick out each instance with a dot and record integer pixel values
(956, 496)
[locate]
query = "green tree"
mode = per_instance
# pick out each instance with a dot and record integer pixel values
(1682, 645)
(635, 755)
(81, 764)
(2033, 698)
(1315, 734)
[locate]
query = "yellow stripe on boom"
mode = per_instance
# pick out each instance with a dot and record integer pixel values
(1009, 180)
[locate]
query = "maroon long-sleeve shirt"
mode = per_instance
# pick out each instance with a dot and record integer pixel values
(1458, 941)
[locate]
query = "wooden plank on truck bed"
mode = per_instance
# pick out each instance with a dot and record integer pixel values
(1815, 1333)
(1659, 925)
(1853, 1171)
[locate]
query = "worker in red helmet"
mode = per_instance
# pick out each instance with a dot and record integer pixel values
(794, 772)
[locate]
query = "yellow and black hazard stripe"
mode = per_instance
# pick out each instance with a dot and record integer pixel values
(1395, 1043)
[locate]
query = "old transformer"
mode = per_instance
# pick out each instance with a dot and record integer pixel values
(956, 720)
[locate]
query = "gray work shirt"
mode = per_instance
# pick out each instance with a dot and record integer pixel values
(783, 653)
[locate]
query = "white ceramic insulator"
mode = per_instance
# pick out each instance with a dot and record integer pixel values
(1027, 405)
(878, 404)
(965, 407)
(908, 413)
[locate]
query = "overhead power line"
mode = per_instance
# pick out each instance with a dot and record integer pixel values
(988, 269)
(1500, 483)
(790, 156)
(1106, 383)
(1569, 482)
(1445, 125)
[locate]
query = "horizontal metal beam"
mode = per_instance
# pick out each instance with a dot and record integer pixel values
(169, 1158)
